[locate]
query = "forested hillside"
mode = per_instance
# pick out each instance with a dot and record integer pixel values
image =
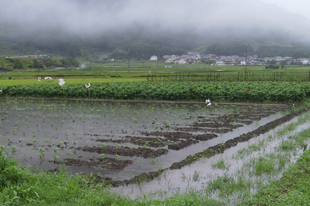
(140, 29)
(142, 44)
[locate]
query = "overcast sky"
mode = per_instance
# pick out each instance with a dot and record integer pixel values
(255, 17)
(296, 6)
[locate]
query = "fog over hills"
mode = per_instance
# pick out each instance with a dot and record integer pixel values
(166, 25)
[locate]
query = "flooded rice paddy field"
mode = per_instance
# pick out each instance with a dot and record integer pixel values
(229, 174)
(133, 142)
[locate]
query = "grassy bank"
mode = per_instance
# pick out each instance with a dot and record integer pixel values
(292, 189)
(23, 187)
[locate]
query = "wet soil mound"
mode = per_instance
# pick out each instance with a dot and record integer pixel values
(105, 163)
(176, 136)
(182, 144)
(126, 151)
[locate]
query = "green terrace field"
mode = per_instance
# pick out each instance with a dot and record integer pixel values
(157, 72)
(160, 66)
(135, 66)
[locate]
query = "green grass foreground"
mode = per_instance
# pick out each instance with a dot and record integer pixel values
(292, 189)
(23, 187)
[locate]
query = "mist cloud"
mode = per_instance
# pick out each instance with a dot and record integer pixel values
(90, 17)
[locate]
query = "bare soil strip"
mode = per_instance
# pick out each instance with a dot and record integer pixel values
(106, 163)
(176, 136)
(126, 151)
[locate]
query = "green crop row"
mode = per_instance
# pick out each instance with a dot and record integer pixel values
(231, 91)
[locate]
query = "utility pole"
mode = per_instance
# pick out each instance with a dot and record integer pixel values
(157, 61)
(128, 61)
(38, 60)
(246, 56)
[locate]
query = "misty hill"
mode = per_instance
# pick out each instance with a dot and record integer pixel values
(89, 27)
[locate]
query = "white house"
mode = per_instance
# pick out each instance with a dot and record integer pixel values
(181, 61)
(305, 61)
(266, 59)
(219, 63)
(166, 56)
(170, 60)
(153, 58)
(279, 58)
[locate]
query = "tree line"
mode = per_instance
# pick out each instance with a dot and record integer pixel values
(15, 63)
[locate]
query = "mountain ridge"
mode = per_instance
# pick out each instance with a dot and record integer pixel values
(150, 28)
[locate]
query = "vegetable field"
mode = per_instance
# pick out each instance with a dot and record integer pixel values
(216, 91)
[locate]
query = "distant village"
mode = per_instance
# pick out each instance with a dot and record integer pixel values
(215, 60)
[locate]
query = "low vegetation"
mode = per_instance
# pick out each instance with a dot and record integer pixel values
(291, 189)
(230, 91)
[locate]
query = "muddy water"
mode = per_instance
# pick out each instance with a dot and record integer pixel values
(195, 177)
(46, 131)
